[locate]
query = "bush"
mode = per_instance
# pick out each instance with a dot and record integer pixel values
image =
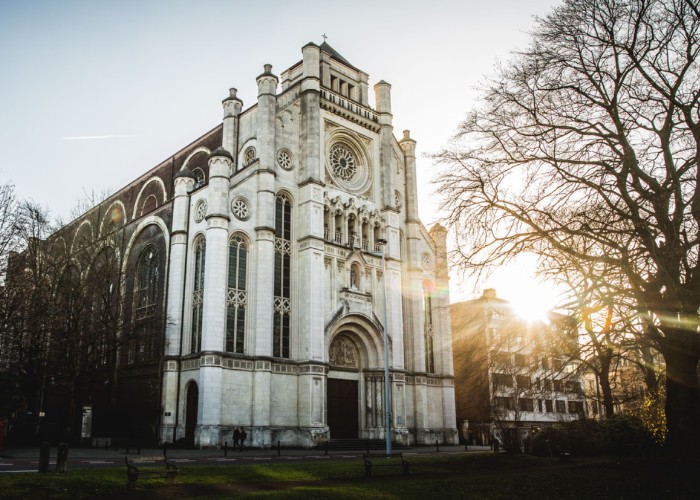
(617, 434)
(625, 434)
(579, 438)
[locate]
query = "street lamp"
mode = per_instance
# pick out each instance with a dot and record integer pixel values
(387, 399)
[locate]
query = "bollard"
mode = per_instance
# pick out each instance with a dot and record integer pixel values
(44, 453)
(225, 449)
(279, 451)
(62, 458)
(437, 446)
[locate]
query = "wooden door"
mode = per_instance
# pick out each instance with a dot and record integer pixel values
(342, 409)
(191, 412)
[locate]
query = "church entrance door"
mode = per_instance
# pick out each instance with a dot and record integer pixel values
(191, 412)
(342, 408)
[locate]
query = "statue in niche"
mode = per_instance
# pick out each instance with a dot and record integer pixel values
(342, 353)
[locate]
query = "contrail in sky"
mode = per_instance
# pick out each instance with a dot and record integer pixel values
(86, 137)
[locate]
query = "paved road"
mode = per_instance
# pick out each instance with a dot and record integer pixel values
(27, 459)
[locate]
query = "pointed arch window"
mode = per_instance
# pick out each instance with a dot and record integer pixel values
(143, 345)
(101, 338)
(198, 295)
(67, 324)
(237, 298)
(283, 258)
(428, 328)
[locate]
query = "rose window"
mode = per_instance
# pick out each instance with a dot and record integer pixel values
(200, 211)
(240, 209)
(343, 163)
(284, 159)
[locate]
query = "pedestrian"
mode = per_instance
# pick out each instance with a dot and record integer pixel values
(236, 437)
(243, 436)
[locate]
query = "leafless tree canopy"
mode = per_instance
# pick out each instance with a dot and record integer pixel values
(585, 151)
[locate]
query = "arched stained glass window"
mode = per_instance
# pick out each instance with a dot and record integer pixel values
(145, 300)
(283, 257)
(198, 295)
(104, 280)
(237, 298)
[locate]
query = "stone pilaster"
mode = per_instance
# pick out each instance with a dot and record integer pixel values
(215, 291)
(184, 184)
(232, 109)
(267, 110)
(382, 91)
(408, 146)
(310, 274)
(310, 140)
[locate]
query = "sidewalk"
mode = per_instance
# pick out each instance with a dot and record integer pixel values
(110, 453)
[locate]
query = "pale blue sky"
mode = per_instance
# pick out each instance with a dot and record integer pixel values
(153, 74)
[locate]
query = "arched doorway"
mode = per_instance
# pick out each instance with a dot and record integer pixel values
(343, 393)
(354, 354)
(192, 401)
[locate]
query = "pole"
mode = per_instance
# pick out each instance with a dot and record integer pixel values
(387, 398)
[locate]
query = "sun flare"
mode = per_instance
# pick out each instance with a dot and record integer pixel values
(532, 299)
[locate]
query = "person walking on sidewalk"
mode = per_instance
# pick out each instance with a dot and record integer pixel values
(242, 442)
(236, 436)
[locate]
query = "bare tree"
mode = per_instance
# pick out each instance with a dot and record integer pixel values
(587, 145)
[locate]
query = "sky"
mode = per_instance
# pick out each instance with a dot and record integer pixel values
(95, 93)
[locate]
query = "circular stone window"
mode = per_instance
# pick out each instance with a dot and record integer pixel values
(343, 163)
(240, 209)
(348, 167)
(200, 211)
(284, 159)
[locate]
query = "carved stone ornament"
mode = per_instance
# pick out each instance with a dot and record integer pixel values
(342, 353)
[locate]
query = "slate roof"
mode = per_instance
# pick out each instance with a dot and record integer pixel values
(335, 55)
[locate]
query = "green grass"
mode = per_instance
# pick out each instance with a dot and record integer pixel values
(441, 477)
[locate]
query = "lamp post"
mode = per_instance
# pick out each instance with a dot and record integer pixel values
(387, 398)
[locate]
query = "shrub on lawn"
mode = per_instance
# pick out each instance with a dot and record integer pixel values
(617, 434)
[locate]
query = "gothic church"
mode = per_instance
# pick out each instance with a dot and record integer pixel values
(268, 257)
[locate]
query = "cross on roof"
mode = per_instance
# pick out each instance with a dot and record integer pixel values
(324, 37)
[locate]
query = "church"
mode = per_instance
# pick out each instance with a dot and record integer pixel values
(260, 267)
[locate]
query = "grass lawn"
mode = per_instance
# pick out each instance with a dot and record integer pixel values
(438, 476)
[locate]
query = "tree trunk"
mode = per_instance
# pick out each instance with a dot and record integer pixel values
(605, 360)
(649, 369)
(682, 399)
(608, 402)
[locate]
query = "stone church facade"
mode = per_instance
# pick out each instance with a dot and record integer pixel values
(280, 239)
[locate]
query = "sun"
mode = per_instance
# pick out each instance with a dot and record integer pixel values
(536, 304)
(532, 299)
